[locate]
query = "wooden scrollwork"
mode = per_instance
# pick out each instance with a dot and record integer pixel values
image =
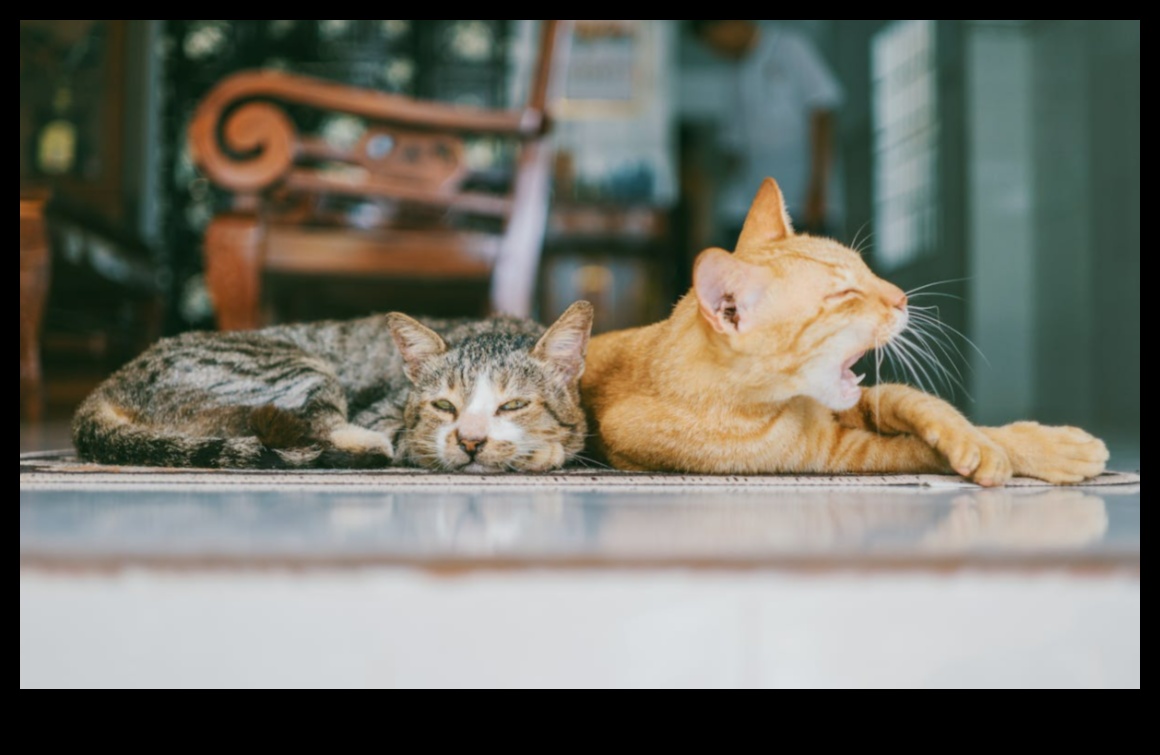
(244, 141)
(256, 148)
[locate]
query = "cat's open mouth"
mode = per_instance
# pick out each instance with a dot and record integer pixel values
(848, 382)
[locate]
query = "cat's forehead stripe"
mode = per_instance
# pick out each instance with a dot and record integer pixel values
(483, 397)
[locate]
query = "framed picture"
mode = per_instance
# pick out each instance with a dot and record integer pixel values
(609, 69)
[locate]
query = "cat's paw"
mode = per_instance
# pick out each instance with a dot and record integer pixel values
(549, 457)
(972, 454)
(359, 440)
(1056, 454)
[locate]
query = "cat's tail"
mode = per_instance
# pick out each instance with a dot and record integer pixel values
(107, 433)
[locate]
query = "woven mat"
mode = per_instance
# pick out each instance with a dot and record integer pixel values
(58, 470)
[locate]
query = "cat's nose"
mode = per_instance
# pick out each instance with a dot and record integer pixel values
(894, 296)
(471, 446)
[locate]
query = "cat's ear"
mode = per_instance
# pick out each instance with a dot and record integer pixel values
(767, 220)
(728, 290)
(566, 342)
(417, 343)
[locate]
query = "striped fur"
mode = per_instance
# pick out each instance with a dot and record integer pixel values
(354, 393)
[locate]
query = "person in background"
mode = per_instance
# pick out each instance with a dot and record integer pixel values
(780, 120)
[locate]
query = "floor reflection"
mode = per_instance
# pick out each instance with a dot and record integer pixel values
(1056, 518)
(571, 524)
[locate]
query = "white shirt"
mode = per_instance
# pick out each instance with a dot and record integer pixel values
(777, 86)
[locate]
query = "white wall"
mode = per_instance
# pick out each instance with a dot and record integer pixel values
(402, 628)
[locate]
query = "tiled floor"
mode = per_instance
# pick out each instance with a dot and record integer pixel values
(1074, 528)
(851, 526)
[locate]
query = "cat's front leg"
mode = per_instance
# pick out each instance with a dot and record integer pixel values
(373, 430)
(968, 449)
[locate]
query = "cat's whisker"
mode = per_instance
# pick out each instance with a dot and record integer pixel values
(940, 334)
(930, 312)
(892, 358)
(903, 371)
(587, 460)
(953, 382)
(934, 293)
(900, 345)
(923, 287)
(932, 334)
(857, 233)
(925, 343)
(906, 362)
(936, 331)
(877, 381)
(940, 340)
(927, 314)
(931, 341)
(949, 328)
(854, 244)
(924, 351)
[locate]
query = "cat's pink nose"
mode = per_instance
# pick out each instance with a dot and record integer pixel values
(894, 296)
(471, 446)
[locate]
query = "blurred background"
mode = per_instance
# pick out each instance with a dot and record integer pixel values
(999, 160)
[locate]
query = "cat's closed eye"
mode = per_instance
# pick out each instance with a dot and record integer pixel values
(513, 405)
(844, 294)
(444, 405)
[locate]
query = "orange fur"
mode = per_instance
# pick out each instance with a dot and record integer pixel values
(746, 376)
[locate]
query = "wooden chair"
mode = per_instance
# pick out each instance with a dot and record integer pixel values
(410, 159)
(34, 271)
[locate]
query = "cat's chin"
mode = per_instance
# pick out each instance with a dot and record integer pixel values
(843, 400)
(836, 397)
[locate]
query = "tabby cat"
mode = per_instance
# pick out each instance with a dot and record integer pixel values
(476, 396)
(752, 373)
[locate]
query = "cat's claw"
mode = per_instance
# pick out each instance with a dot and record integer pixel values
(1059, 455)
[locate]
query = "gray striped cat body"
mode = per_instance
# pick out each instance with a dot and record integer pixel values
(482, 395)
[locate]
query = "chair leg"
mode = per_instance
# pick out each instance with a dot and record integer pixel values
(513, 281)
(34, 272)
(233, 269)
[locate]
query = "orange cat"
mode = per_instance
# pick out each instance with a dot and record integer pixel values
(751, 374)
